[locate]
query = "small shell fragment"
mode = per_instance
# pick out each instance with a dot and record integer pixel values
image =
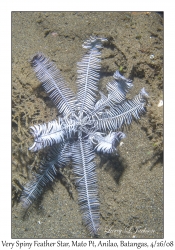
(151, 57)
(160, 104)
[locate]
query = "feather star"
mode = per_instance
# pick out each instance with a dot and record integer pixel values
(84, 126)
